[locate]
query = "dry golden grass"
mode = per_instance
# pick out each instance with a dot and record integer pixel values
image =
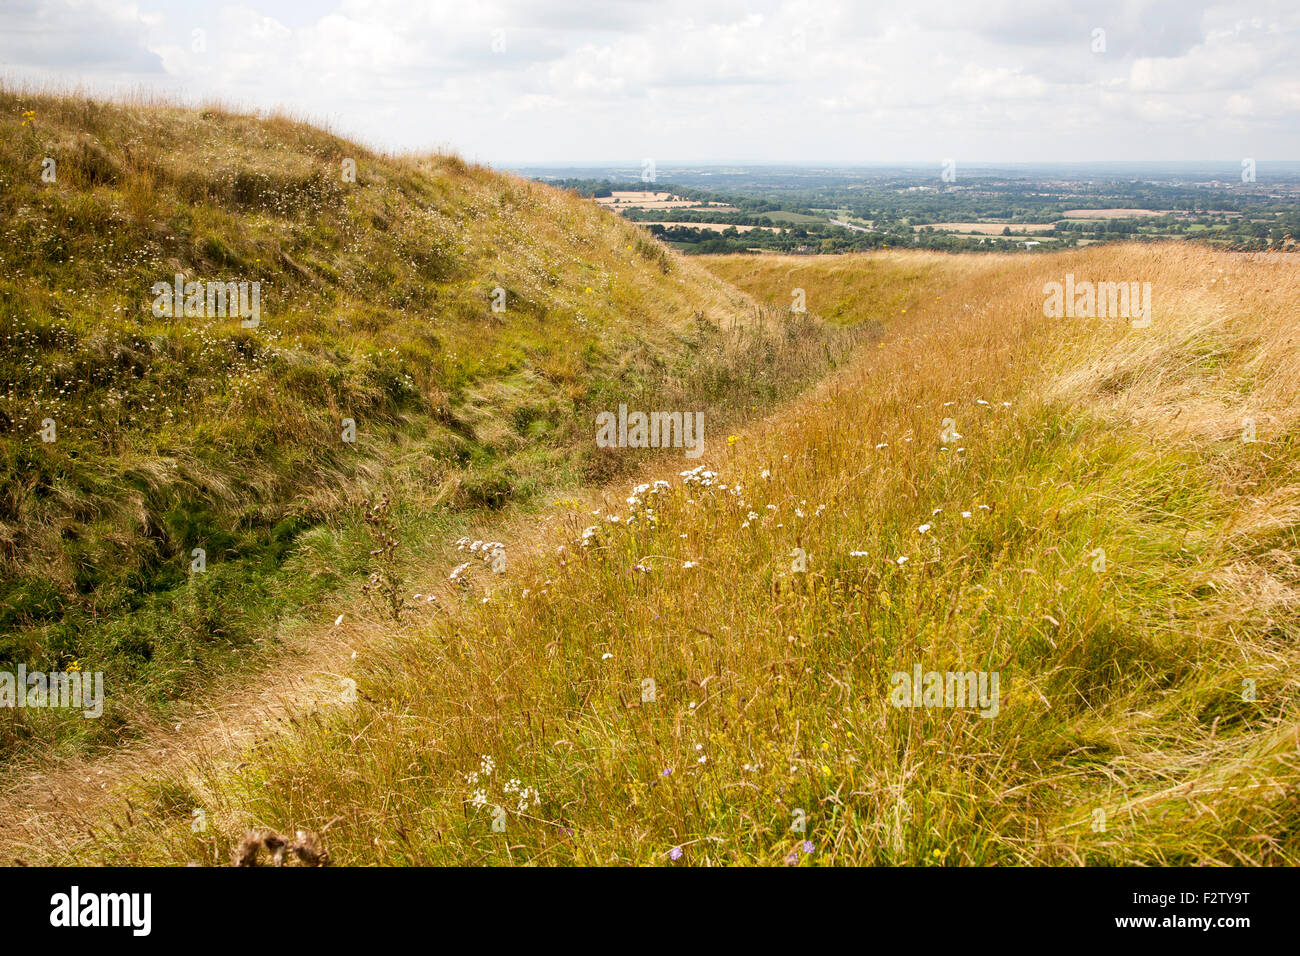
(178, 433)
(1124, 732)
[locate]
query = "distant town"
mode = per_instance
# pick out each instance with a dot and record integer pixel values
(792, 209)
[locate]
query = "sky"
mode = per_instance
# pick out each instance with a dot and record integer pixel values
(697, 81)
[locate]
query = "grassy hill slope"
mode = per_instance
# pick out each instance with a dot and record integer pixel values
(174, 433)
(707, 679)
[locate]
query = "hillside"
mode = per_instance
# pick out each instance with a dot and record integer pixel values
(700, 671)
(138, 438)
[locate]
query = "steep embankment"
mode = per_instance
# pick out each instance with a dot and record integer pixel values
(179, 489)
(1102, 515)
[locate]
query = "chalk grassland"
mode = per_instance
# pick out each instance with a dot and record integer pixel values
(376, 305)
(1147, 710)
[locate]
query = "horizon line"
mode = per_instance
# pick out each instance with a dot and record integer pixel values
(845, 164)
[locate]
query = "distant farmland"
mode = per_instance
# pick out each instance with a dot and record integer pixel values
(646, 199)
(1108, 213)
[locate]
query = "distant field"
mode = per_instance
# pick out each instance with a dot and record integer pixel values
(647, 199)
(1109, 213)
(798, 218)
(991, 228)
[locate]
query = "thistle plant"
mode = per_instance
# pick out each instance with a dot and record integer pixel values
(385, 586)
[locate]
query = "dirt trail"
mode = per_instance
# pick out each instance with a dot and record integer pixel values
(41, 803)
(56, 802)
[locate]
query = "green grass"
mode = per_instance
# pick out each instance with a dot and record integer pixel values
(833, 538)
(1121, 684)
(180, 433)
(793, 218)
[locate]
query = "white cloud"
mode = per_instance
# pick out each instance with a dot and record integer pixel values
(832, 80)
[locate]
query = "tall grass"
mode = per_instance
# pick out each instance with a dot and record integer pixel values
(1147, 706)
(183, 433)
